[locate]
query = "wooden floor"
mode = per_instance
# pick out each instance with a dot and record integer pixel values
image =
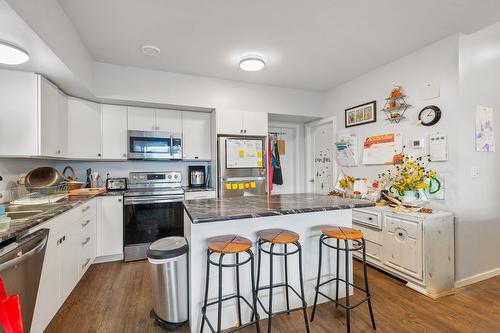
(116, 297)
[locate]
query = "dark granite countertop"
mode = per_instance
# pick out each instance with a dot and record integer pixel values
(21, 226)
(211, 210)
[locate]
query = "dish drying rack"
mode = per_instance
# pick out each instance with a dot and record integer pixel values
(22, 195)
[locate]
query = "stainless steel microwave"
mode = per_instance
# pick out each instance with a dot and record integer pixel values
(154, 145)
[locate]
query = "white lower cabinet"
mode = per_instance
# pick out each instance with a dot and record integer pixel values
(395, 243)
(67, 250)
(110, 226)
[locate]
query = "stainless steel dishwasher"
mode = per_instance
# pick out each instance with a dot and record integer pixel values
(21, 267)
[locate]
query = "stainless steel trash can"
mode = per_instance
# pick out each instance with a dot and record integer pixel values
(168, 262)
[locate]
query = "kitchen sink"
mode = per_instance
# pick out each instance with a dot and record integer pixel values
(17, 212)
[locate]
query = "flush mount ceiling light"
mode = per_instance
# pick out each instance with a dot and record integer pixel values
(252, 63)
(12, 55)
(150, 50)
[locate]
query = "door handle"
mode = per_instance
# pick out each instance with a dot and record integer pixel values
(86, 263)
(85, 223)
(85, 241)
(311, 180)
(85, 209)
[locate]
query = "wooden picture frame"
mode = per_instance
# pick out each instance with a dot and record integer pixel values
(361, 114)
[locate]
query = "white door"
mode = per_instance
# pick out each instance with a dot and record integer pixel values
(62, 109)
(323, 158)
(229, 122)
(84, 129)
(141, 119)
(114, 132)
(68, 250)
(110, 226)
(197, 136)
(288, 160)
(169, 120)
(18, 113)
(47, 300)
(49, 119)
(255, 123)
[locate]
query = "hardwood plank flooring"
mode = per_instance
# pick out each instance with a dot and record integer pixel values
(116, 297)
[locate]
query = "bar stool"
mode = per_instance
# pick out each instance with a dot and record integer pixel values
(229, 245)
(358, 243)
(273, 237)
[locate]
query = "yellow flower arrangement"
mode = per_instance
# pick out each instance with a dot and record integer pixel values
(411, 175)
(347, 182)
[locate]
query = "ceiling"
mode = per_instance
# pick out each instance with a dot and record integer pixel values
(313, 44)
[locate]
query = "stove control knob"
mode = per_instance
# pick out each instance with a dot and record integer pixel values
(176, 176)
(169, 176)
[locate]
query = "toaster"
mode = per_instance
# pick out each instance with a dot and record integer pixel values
(116, 184)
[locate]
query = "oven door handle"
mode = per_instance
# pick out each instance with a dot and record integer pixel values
(153, 200)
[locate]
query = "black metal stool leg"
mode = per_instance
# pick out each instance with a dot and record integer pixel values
(337, 275)
(269, 319)
(206, 291)
(238, 287)
(318, 279)
(219, 301)
(258, 273)
(347, 310)
(366, 286)
(286, 282)
(255, 314)
(302, 293)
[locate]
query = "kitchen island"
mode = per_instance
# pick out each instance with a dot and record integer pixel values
(304, 214)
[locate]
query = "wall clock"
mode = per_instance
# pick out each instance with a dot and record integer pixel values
(429, 115)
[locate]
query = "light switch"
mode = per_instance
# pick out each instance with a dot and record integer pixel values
(474, 172)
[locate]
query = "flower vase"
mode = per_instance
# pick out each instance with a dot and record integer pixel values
(410, 197)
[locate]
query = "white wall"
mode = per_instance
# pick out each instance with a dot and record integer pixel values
(136, 84)
(478, 209)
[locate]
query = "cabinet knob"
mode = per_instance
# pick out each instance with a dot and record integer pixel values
(241, 131)
(400, 234)
(119, 200)
(99, 154)
(196, 157)
(370, 219)
(245, 131)
(124, 155)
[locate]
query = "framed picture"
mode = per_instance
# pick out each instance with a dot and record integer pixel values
(361, 114)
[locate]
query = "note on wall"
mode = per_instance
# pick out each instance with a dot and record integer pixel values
(485, 135)
(383, 148)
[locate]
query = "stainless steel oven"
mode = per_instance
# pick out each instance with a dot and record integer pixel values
(152, 210)
(154, 145)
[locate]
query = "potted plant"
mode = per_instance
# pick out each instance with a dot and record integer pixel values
(411, 175)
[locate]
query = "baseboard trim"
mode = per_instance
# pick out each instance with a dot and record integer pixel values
(477, 278)
(114, 257)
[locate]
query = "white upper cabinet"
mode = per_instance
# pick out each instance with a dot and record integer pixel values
(148, 119)
(197, 135)
(168, 120)
(114, 131)
(84, 129)
(19, 126)
(53, 118)
(141, 119)
(241, 123)
(255, 123)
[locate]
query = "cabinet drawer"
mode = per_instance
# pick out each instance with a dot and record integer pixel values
(199, 195)
(374, 250)
(410, 227)
(365, 217)
(374, 236)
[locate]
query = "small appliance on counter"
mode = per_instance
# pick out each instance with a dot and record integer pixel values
(197, 176)
(116, 184)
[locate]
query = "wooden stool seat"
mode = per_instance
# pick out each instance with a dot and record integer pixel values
(342, 233)
(278, 236)
(229, 244)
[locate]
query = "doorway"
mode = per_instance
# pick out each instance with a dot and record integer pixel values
(288, 158)
(321, 159)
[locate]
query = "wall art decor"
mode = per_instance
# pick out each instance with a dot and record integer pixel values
(361, 114)
(485, 135)
(395, 105)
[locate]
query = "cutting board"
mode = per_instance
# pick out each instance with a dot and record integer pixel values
(87, 191)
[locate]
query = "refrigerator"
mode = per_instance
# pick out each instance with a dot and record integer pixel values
(242, 166)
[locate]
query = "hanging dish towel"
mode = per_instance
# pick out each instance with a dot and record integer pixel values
(270, 165)
(277, 174)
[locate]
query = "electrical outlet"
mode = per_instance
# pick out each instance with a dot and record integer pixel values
(474, 172)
